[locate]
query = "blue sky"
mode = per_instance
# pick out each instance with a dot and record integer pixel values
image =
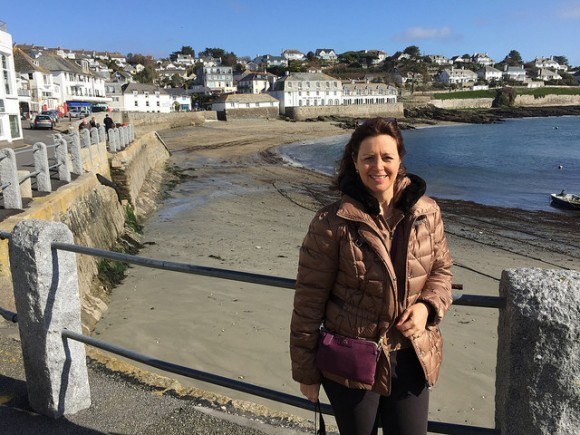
(252, 27)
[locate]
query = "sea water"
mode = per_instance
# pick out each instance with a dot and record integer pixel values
(515, 163)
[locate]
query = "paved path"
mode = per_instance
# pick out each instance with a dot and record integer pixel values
(118, 406)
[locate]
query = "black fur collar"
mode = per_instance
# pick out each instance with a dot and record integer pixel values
(354, 187)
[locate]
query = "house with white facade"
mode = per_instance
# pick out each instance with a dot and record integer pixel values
(546, 75)
(375, 57)
(42, 93)
(185, 59)
(515, 73)
(141, 97)
(439, 59)
(246, 106)
(482, 59)
(180, 99)
(549, 63)
(10, 125)
(255, 83)
(291, 54)
(456, 76)
(307, 89)
(78, 85)
(326, 54)
(215, 80)
(368, 93)
(489, 73)
(267, 61)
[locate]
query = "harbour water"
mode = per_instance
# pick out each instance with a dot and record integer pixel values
(516, 163)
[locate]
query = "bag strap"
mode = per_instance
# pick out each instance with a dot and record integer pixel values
(321, 426)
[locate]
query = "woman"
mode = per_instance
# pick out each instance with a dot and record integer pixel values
(374, 265)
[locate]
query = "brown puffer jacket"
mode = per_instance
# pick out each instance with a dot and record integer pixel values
(344, 255)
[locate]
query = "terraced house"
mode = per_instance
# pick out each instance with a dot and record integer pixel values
(10, 126)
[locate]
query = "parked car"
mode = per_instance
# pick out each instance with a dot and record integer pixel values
(52, 113)
(42, 121)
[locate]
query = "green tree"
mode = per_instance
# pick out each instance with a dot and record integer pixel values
(504, 97)
(185, 49)
(562, 60)
(413, 51)
(147, 75)
(513, 58)
(145, 60)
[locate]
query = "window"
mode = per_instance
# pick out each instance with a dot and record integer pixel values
(14, 126)
(2, 108)
(136, 103)
(147, 103)
(158, 104)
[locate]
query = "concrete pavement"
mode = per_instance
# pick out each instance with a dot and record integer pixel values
(120, 406)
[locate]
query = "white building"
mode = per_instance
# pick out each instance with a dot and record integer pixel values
(140, 97)
(456, 76)
(439, 59)
(307, 89)
(267, 61)
(42, 93)
(489, 73)
(547, 75)
(368, 93)
(180, 99)
(10, 125)
(293, 55)
(255, 83)
(482, 59)
(550, 63)
(215, 80)
(78, 85)
(245, 102)
(515, 73)
(327, 54)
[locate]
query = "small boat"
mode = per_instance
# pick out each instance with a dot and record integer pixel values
(566, 200)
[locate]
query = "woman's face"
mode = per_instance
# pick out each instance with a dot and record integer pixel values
(378, 164)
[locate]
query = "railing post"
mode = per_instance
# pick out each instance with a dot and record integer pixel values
(85, 138)
(61, 151)
(102, 133)
(74, 148)
(9, 179)
(111, 141)
(41, 167)
(94, 136)
(47, 301)
(538, 358)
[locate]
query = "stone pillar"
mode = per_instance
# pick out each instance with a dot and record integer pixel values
(85, 138)
(61, 152)
(43, 183)
(74, 148)
(9, 179)
(26, 185)
(94, 135)
(47, 301)
(538, 355)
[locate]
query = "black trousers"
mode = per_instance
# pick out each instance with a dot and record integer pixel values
(404, 412)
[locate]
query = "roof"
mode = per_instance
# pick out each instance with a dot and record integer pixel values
(23, 63)
(256, 76)
(54, 62)
(176, 91)
(246, 98)
(142, 88)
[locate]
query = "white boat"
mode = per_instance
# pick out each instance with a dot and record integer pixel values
(566, 200)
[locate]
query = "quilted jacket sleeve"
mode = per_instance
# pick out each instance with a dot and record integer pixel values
(437, 290)
(317, 266)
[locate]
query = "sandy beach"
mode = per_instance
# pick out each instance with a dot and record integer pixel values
(239, 207)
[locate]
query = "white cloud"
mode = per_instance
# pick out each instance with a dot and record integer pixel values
(570, 12)
(413, 34)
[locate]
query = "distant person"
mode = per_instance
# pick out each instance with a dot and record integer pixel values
(373, 267)
(109, 123)
(93, 122)
(84, 124)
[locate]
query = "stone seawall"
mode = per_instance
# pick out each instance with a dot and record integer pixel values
(471, 103)
(360, 111)
(147, 122)
(94, 213)
(130, 167)
(257, 113)
(548, 100)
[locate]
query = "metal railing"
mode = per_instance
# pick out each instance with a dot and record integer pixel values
(253, 278)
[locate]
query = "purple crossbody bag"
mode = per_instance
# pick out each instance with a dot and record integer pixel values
(352, 358)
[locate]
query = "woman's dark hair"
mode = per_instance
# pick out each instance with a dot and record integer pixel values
(369, 128)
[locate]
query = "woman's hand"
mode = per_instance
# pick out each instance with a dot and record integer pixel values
(413, 320)
(310, 391)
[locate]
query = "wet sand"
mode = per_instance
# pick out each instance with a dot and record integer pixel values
(239, 207)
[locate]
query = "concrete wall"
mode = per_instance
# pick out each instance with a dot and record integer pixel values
(355, 111)
(471, 103)
(146, 122)
(548, 100)
(130, 167)
(80, 205)
(256, 113)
